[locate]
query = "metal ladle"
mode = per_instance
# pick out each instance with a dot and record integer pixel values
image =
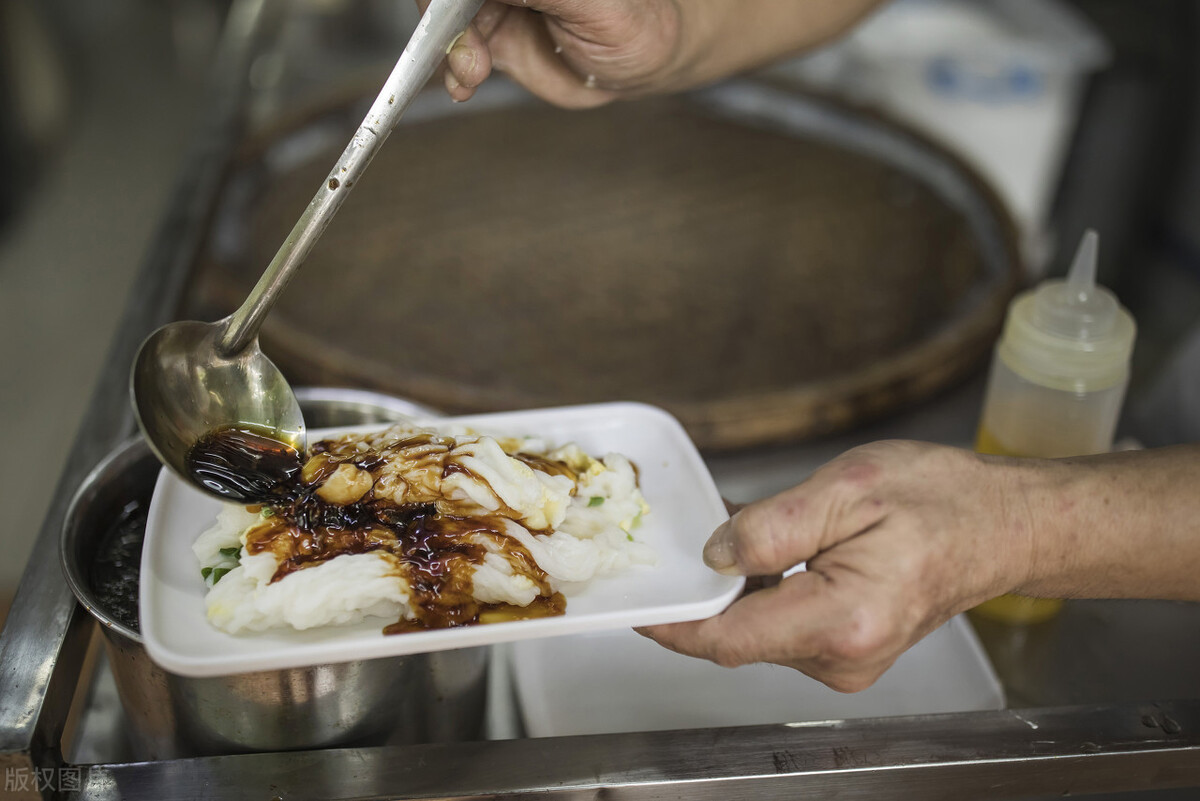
(191, 378)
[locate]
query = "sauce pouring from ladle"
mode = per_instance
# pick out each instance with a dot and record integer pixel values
(211, 405)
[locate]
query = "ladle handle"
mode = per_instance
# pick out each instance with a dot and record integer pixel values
(441, 24)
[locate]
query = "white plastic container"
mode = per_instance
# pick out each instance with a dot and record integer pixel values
(998, 81)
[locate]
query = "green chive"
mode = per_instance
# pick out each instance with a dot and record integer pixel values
(595, 500)
(205, 572)
(219, 573)
(233, 552)
(267, 511)
(628, 536)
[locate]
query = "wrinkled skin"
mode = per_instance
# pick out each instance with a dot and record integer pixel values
(622, 45)
(898, 536)
(584, 53)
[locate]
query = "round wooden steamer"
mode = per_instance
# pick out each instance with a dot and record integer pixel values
(766, 265)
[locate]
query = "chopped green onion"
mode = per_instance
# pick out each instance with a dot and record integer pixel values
(219, 573)
(267, 511)
(205, 572)
(232, 552)
(595, 500)
(628, 536)
(637, 520)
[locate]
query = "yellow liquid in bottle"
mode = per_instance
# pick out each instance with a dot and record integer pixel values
(1011, 608)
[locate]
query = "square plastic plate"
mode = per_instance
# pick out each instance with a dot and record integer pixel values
(685, 508)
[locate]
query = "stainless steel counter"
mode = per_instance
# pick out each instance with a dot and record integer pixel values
(1084, 684)
(985, 755)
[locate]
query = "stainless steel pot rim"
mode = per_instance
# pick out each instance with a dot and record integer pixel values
(71, 525)
(365, 397)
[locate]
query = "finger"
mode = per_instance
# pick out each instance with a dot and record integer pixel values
(468, 64)
(623, 42)
(774, 535)
(490, 17)
(468, 59)
(733, 638)
(610, 21)
(523, 49)
(574, 11)
(805, 623)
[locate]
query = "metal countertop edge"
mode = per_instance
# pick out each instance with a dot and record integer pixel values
(982, 755)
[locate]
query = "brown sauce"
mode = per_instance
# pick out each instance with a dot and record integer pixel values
(435, 549)
(542, 606)
(244, 464)
(546, 465)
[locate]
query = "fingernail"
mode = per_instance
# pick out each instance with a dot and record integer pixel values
(457, 39)
(718, 551)
(462, 60)
(451, 83)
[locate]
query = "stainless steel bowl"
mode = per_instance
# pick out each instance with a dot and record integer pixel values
(419, 698)
(327, 408)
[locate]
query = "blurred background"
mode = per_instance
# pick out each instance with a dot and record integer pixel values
(1079, 114)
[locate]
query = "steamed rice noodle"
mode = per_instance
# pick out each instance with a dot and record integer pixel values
(428, 528)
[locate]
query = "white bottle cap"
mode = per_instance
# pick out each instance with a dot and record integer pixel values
(1071, 335)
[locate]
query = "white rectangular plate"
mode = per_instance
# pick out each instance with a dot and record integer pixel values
(685, 508)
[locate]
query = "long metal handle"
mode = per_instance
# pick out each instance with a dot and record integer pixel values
(441, 24)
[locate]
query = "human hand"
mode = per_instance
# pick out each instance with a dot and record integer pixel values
(573, 53)
(898, 536)
(583, 53)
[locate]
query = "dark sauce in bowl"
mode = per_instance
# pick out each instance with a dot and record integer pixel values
(116, 565)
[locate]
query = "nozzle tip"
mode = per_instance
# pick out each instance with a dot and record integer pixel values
(1081, 280)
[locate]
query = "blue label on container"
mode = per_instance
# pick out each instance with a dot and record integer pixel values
(1008, 83)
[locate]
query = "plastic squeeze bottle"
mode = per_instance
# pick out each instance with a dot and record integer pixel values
(1057, 382)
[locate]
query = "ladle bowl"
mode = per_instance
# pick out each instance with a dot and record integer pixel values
(190, 379)
(183, 387)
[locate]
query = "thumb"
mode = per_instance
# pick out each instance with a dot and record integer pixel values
(752, 543)
(775, 534)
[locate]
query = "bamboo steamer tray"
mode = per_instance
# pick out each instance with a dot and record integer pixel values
(764, 264)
